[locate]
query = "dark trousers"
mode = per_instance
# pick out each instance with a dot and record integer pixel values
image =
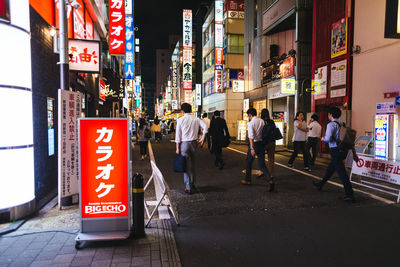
(337, 158)
(259, 149)
(312, 143)
(157, 136)
(217, 150)
(143, 147)
(299, 146)
(208, 139)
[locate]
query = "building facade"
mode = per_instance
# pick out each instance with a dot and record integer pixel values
(278, 59)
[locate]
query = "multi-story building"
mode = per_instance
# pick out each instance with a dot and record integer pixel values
(163, 63)
(223, 79)
(278, 59)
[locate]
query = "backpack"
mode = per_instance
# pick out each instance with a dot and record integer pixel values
(270, 133)
(347, 137)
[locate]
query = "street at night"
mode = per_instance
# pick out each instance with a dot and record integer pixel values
(199, 133)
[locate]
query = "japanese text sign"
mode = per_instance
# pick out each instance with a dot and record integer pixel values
(187, 69)
(187, 29)
(69, 111)
(388, 171)
(85, 56)
(103, 146)
(381, 135)
(102, 90)
(129, 48)
(79, 21)
(117, 27)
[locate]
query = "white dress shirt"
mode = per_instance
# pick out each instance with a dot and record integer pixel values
(255, 128)
(187, 128)
(315, 129)
(207, 122)
(299, 135)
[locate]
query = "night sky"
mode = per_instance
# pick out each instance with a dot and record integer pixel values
(156, 20)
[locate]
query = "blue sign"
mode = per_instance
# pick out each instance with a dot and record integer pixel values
(397, 100)
(218, 67)
(138, 89)
(129, 48)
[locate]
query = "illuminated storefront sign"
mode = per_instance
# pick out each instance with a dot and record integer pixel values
(187, 49)
(219, 44)
(237, 86)
(198, 94)
(89, 27)
(17, 176)
(104, 168)
(129, 48)
(69, 111)
(381, 135)
(85, 56)
(50, 126)
(117, 27)
(234, 9)
(319, 84)
(288, 86)
(187, 69)
(102, 90)
(174, 75)
(79, 21)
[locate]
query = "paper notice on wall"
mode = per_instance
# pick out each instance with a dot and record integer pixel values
(338, 73)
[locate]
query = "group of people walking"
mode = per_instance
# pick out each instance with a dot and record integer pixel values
(261, 142)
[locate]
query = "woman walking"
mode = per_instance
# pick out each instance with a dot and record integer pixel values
(270, 147)
(143, 136)
(156, 129)
(299, 140)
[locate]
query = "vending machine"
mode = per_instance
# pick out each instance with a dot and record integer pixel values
(386, 136)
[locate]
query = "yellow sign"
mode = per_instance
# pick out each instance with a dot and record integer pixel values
(288, 86)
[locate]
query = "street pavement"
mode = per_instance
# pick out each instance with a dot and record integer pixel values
(48, 239)
(226, 223)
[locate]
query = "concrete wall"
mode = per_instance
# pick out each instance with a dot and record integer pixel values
(376, 69)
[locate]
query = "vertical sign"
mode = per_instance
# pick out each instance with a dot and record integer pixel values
(381, 135)
(198, 94)
(69, 110)
(219, 44)
(104, 168)
(102, 90)
(79, 21)
(5, 10)
(117, 27)
(50, 126)
(129, 48)
(187, 49)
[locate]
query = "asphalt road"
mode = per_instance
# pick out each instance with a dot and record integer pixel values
(228, 224)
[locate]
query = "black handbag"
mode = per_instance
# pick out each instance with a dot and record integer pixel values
(179, 163)
(225, 141)
(276, 133)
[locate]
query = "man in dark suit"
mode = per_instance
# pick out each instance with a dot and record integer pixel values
(220, 137)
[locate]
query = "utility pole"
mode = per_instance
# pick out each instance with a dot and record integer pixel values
(64, 62)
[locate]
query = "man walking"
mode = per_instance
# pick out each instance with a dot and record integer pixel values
(256, 148)
(207, 122)
(187, 130)
(314, 136)
(220, 137)
(337, 155)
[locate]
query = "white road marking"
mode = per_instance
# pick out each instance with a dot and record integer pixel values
(384, 200)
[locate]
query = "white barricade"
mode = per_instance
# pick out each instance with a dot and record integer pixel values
(381, 170)
(162, 191)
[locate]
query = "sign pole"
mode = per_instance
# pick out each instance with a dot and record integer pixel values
(64, 67)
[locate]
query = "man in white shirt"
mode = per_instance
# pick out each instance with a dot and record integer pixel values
(314, 137)
(207, 122)
(256, 147)
(187, 129)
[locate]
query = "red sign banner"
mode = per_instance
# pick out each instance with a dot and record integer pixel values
(104, 160)
(102, 90)
(117, 27)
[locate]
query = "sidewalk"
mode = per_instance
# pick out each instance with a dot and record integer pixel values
(49, 240)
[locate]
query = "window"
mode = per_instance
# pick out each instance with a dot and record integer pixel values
(235, 44)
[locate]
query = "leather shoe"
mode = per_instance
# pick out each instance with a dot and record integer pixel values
(188, 191)
(317, 185)
(271, 187)
(245, 182)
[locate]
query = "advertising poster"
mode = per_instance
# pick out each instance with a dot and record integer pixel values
(320, 82)
(50, 125)
(286, 69)
(339, 73)
(381, 135)
(339, 38)
(104, 168)
(69, 110)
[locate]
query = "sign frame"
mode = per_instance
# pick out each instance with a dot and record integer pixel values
(98, 229)
(100, 63)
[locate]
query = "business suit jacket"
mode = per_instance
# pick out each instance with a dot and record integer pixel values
(218, 131)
